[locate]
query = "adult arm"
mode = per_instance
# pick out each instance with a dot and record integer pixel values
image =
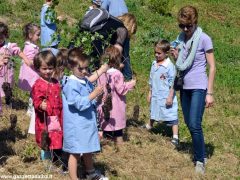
(122, 34)
(212, 70)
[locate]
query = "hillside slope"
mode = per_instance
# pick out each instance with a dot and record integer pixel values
(145, 155)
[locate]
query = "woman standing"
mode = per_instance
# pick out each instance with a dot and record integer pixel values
(194, 52)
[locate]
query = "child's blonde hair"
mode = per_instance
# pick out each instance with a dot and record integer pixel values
(130, 22)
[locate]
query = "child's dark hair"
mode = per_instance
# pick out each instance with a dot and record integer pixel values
(29, 29)
(4, 29)
(113, 56)
(163, 44)
(44, 56)
(76, 55)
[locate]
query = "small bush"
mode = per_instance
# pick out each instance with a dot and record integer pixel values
(162, 7)
(5, 7)
(29, 153)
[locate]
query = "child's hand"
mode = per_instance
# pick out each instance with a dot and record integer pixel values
(100, 134)
(169, 101)
(104, 68)
(60, 18)
(133, 82)
(43, 105)
(4, 58)
(121, 66)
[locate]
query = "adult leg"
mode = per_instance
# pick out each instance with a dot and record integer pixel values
(195, 123)
(185, 98)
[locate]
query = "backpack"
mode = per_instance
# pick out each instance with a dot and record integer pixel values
(95, 19)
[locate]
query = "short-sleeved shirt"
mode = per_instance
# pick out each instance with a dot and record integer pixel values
(115, 7)
(196, 76)
(160, 81)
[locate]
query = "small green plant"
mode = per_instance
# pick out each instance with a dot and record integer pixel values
(5, 7)
(162, 7)
(29, 153)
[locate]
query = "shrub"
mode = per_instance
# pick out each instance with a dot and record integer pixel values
(162, 7)
(5, 7)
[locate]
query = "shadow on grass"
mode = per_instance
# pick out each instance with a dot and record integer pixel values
(19, 104)
(186, 147)
(99, 166)
(162, 129)
(7, 137)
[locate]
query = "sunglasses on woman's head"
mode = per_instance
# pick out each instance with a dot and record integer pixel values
(187, 26)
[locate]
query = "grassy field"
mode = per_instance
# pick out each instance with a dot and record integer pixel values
(144, 155)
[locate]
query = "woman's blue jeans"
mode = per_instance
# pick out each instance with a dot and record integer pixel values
(193, 105)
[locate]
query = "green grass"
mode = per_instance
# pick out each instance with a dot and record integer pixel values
(145, 151)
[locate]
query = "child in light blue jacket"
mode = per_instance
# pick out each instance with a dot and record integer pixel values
(48, 28)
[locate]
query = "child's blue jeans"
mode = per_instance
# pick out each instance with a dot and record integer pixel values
(193, 105)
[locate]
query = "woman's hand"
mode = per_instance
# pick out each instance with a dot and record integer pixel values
(209, 100)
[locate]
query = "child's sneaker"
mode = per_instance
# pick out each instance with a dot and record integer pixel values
(205, 161)
(175, 142)
(96, 176)
(199, 168)
(147, 126)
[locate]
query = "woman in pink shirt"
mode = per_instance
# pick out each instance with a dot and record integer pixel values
(112, 108)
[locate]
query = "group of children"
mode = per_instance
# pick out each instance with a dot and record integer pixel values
(66, 107)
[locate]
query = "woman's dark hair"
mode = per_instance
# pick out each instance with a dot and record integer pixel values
(76, 55)
(4, 29)
(163, 44)
(113, 56)
(44, 56)
(29, 29)
(188, 15)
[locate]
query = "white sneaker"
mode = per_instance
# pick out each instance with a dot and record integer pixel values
(147, 126)
(205, 161)
(199, 168)
(96, 176)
